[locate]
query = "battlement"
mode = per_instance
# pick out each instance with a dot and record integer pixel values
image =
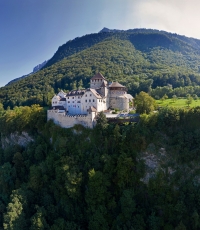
(67, 121)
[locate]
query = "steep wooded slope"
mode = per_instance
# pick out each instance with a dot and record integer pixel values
(138, 176)
(141, 60)
(142, 39)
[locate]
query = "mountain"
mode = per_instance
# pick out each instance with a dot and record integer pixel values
(142, 59)
(142, 39)
(109, 30)
(38, 67)
(35, 69)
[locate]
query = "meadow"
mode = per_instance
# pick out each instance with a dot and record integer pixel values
(178, 103)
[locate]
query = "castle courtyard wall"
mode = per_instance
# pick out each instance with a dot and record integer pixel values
(68, 121)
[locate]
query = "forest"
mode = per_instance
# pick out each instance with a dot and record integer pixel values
(152, 61)
(136, 176)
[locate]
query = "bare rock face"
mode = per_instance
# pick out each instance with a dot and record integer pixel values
(38, 67)
(16, 139)
(154, 160)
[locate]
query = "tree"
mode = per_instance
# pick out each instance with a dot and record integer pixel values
(174, 98)
(189, 100)
(101, 121)
(14, 218)
(164, 97)
(80, 84)
(38, 220)
(195, 97)
(181, 226)
(144, 103)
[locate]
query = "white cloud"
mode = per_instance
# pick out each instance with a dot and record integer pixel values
(179, 16)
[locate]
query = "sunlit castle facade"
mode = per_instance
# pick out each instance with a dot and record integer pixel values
(101, 96)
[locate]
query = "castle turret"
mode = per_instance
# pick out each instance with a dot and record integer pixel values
(97, 80)
(117, 89)
(118, 97)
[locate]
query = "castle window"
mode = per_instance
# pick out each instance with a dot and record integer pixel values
(68, 101)
(90, 95)
(93, 100)
(85, 100)
(72, 97)
(86, 95)
(89, 100)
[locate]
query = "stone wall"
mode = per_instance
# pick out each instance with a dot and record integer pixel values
(120, 103)
(68, 121)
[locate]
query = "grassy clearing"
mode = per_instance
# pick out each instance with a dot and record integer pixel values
(179, 103)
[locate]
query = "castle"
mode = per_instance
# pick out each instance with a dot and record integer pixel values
(82, 106)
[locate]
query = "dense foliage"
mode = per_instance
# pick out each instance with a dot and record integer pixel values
(99, 179)
(144, 60)
(144, 103)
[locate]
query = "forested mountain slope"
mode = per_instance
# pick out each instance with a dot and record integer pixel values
(142, 39)
(140, 59)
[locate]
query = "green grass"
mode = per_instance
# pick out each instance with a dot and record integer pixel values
(179, 103)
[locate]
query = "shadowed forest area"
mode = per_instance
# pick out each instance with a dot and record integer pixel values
(137, 176)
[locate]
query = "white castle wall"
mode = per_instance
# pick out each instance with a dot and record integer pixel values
(88, 100)
(67, 121)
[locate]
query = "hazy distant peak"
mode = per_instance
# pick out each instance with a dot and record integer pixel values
(106, 30)
(38, 67)
(35, 69)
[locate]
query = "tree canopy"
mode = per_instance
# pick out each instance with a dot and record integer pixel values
(144, 103)
(135, 176)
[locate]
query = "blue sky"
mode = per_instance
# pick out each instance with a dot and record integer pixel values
(32, 30)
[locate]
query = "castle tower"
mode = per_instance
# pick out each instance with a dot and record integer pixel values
(97, 80)
(117, 89)
(117, 96)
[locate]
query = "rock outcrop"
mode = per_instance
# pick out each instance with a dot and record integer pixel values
(21, 139)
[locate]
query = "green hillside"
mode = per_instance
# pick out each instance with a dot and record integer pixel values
(142, 39)
(143, 60)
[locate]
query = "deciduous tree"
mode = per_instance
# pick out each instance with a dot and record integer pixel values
(144, 103)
